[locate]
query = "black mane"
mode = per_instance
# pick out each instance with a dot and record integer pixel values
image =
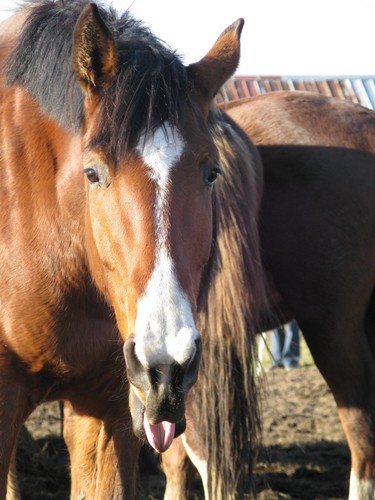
(151, 86)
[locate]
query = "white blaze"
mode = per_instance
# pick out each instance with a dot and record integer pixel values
(164, 326)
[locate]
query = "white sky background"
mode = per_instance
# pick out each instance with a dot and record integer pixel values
(280, 37)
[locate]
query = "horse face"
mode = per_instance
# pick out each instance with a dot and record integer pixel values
(149, 232)
(149, 227)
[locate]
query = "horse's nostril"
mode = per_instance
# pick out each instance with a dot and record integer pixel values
(198, 345)
(131, 358)
(136, 372)
(191, 372)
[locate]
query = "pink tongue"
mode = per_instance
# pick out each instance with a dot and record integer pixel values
(160, 436)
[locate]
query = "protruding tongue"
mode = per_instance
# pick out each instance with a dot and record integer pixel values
(160, 436)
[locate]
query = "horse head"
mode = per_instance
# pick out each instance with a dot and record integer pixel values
(150, 164)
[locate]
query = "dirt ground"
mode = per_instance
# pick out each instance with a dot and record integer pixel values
(304, 455)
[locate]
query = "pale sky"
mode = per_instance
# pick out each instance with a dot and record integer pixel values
(280, 37)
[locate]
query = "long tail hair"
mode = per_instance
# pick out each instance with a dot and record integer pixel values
(230, 303)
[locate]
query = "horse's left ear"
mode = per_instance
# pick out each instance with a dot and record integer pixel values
(219, 64)
(94, 51)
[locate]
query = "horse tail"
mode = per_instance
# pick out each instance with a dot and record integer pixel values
(229, 316)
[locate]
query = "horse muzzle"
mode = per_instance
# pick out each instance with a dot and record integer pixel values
(158, 395)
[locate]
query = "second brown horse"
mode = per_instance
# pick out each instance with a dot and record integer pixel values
(317, 229)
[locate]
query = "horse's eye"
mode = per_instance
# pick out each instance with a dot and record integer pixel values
(92, 175)
(211, 174)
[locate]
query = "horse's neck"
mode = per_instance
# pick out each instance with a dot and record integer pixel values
(42, 187)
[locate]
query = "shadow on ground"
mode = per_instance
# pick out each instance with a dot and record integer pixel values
(308, 471)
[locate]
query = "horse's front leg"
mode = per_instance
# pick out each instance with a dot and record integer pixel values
(103, 456)
(14, 410)
(186, 456)
(179, 471)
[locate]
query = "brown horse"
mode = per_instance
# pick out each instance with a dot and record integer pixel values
(114, 243)
(317, 230)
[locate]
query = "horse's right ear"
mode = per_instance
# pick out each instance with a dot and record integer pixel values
(94, 51)
(219, 64)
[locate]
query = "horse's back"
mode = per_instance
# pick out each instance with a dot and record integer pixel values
(305, 118)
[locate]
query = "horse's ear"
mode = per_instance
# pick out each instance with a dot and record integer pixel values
(94, 51)
(211, 72)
